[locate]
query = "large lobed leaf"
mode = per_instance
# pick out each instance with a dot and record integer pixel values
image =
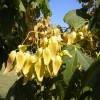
(79, 61)
(71, 64)
(84, 60)
(74, 19)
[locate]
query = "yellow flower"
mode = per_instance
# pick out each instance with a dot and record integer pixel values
(56, 63)
(43, 42)
(71, 37)
(39, 70)
(27, 66)
(46, 56)
(22, 48)
(34, 58)
(39, 51)
(53, 45)
(20, 60)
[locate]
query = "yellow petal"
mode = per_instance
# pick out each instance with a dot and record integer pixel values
(39, 70)
(59, 38)
(43, 42)
(73, 34)
(46, 56)
(20, 60)
(56, 64)
(27, 66)
(53, 45)
(28, 71)
(22, 48)
(85, 28)
(81, 35)
(35, 28)
(71, 37)
(34, 58)
(10, 61)
(56, 31)
(39, 51)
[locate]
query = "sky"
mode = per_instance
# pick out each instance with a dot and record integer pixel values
(59, 8)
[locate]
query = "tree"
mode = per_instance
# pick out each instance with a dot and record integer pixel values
(60, 65)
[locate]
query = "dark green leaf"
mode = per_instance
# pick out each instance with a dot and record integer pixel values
(94, 23)
(92, 74)
(71, 64)
(74, 19)
(60, 90)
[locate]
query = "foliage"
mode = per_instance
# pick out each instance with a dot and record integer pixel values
(62, 65)
(74, 19)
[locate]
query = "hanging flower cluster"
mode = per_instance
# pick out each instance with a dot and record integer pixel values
(47, 58)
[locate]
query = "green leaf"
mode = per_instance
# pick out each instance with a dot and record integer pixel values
(45, 8)
(71, 65)
(92, 78)
(84, 60)
(74, 19)
(21, 6)
(92, 74)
